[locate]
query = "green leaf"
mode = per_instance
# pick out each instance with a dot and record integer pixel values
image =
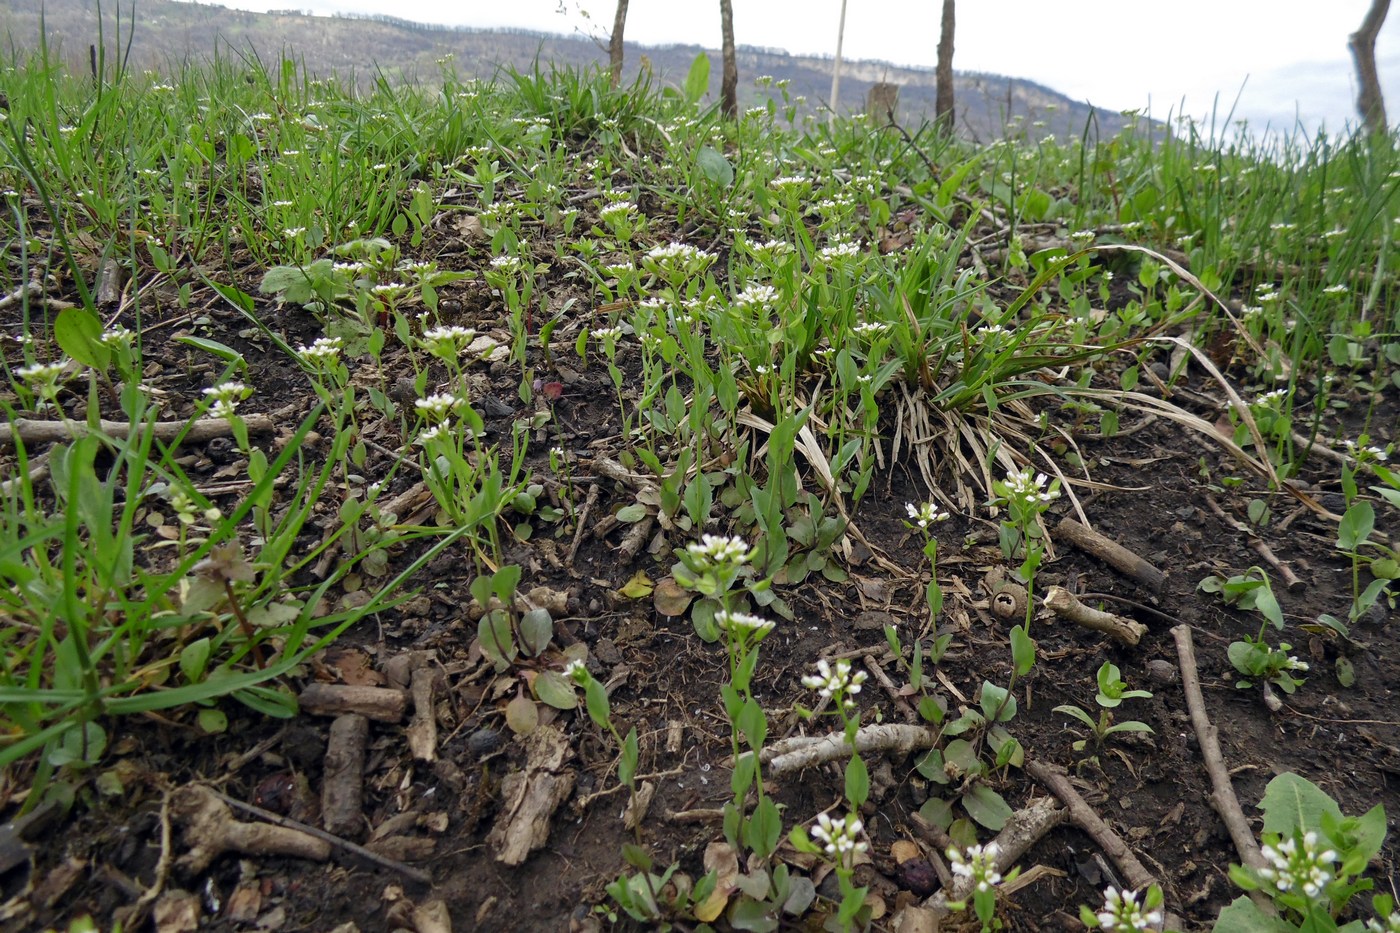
(78, 333)
(1022, 650)
(222, 351)
(697, 81)
(632, 513)
(1293, 803)
(1241, 916)
(212, 721)
(937, 811)
(996, 698)
(555, 690)
(270, 701)
(1356, 526)
(596, 699)
(627, 761)
(496, 638)
(536, 630)
(194, 659)
(986, 807)
(714, 166)
(857, 781)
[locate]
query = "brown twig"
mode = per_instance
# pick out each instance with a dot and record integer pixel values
(1111, 553)
(407, 871)
(1067, 606)
(32, 431)
(1290, 580)
(1222, 795)
(581, 523)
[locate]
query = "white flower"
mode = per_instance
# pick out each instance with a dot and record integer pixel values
(606, 333)
(839, 838)
(576, 671)
(838, 681)
(618, 210)
(1301, 867)
(324, 351)
(437, 407)
(1021, 485)
(790, 184)
(925, 513)
(838, 250)
(742, 625)
(978, 863)
(718, 549)
(1121, 913)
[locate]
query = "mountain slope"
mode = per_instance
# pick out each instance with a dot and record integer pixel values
(168, 32)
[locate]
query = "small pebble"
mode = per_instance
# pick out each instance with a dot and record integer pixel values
(1161, 673)
(917, 875)
(483, 742)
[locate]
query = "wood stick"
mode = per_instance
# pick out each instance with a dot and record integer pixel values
(415, 874)
(342, 790)
(1067, 606)
(422, 728)
(1087, 818)
(381, 704)
(1222, 796)
(34, 431)
(1111, 553)
(1023, 829)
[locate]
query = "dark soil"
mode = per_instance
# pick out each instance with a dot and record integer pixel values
(1157, 481)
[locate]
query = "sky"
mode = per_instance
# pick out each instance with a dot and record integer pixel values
(1273, 62)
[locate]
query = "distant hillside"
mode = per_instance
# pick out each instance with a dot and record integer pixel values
(168, 32)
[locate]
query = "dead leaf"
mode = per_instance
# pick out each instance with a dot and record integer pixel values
(670, 599)
(639, 587)
(177, 911)
(902, 850)
(522, 716)
(637, 807)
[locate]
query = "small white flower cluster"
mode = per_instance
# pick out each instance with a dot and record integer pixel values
(1031, 490)
(437, 408)
(839, 680)
(1338, 289)
(508, 264)
(447, 342)
(1272, 400)
(838, 838)
(742, 625)
(618, 210)
(606, 333)
(719, 550)
(790, 184)
(838, 250)
(769, 250)
(117, 338)
(577, 671)
(1306, 867)
(925, 513)
(1121, 913)
(756, 297)
(1364, 453)
(871, 329)
(226, 397)
(42, 378)
(323, 353)
(978, 863)
(678, 251)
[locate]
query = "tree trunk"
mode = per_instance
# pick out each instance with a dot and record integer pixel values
(836, 65)
(943, 75)
(615, 45)
(729, 82)
(1369, 100)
